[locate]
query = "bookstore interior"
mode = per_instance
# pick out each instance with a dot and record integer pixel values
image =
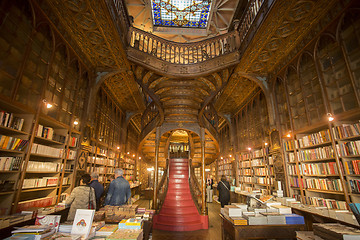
(253, 105)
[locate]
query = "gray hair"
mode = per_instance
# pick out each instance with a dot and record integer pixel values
(119, 171)
(94, 175)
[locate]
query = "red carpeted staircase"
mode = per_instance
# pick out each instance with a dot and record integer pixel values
(178, 212)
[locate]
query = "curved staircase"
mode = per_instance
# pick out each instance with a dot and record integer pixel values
(178, 212)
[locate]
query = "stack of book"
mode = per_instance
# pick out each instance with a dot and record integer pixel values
(335, 231)
(128, 234)
(106, 230)
(34, 231)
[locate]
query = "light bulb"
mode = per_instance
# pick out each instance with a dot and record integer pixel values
(48, 105)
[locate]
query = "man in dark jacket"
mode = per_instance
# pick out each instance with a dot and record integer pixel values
(98, 187)
(224, 191)
(119, 190)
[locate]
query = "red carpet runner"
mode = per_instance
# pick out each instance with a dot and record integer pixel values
(179, 212)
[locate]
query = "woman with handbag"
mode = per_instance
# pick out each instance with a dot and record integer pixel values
(224, 191)
(81, 197)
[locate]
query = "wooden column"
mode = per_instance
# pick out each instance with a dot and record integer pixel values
(203, 186)
(157, 143)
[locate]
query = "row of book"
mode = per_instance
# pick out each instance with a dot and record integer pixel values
(40, 182)
(244, 156)
(245, 164)
(346, 130)
(225, 167)
(36, 203)
(324, 202)
(354, 185)
(12, 143)
(323, 184)
(317, 153)
(352, 167)
(73, 141)
(264, 180)
(45, 132)
(246, 179)
(47, 150)
(100, 160)
(71, 154)
(258, 162)
(34, 166)
(101, 151)
(11, 121)
(10, 163)
(258, 153)
(314, 139)
(348, 148)
(260, 171)
(247, 171)
(294, 182)
(325, 168)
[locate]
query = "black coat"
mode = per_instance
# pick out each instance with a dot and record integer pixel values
(224, 193)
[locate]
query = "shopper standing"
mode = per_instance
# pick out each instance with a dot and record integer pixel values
(209, 188)
(224, 191)
(81, 197)
(119, 191)
(98, 187)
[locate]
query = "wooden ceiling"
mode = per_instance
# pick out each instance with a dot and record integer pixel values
(88, 27)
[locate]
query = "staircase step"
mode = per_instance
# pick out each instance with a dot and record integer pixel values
(178, 204)
(179, 197)
(179, 160)
(178, 181)
(179, 218)
(171, 226)
(183, 176)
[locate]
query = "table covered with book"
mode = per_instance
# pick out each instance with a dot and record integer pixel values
(271, 220)
(111, 222)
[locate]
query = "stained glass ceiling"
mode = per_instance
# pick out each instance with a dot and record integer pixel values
(181, 13)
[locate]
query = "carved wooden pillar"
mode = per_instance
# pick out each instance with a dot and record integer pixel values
(157, 143)
(203, 186)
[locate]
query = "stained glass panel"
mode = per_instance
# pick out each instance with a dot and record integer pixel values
(181, 13)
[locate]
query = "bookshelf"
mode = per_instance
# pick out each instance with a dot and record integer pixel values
(256, 170)
(225, 167)
(15, 129)
(47, 157)
(347, 139)
(315, 170)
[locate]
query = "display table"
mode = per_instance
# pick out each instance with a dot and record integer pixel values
(232, 232)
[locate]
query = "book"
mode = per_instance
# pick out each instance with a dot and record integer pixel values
(107, 230)
(82, 222)
(52, 220)
(126, 234)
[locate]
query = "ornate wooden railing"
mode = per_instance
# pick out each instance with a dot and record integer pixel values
(163, 186)
(195, 188)
(183, 53)
(248, 18)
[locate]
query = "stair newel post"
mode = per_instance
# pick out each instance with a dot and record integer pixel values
(157, 142)
(203, 187)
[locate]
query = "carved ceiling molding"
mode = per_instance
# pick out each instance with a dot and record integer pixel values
(90, 25)
(286, 25)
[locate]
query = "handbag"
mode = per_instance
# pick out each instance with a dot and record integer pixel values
(90, 204)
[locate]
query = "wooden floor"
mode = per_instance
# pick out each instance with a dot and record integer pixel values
(213, 233)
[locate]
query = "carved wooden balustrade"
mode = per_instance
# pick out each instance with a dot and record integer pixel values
(248, 18)
(183, 53)
(163, 186)
(195, 188)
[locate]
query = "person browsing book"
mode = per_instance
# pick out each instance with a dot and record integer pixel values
(81, 197)
(119, 190)
(224, 191)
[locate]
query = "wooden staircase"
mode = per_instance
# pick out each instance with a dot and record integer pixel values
(178, 212)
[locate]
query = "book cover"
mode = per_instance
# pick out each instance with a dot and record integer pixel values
(83, 222)
(52, 220)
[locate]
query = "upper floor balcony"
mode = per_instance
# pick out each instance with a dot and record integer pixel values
(194, 58)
